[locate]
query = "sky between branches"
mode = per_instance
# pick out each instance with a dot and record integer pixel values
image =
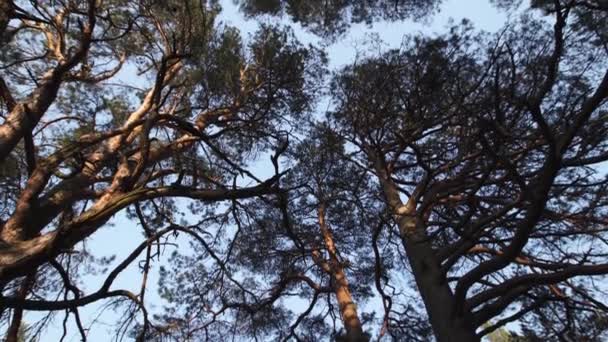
(121, 237)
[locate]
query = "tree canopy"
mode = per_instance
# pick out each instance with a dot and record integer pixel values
(333, 18)
(454, 188)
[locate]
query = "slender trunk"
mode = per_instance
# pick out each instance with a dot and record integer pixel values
(12, 335)
(6, 12)
(348, 308)
(438, 298)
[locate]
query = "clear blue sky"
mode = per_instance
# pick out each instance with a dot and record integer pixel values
(124, 235)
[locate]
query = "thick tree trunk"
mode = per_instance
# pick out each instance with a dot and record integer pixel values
(348, 308)
(438, 298)
(435, 291)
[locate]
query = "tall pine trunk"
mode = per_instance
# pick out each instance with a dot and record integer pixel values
(448, 325)
(348, 308)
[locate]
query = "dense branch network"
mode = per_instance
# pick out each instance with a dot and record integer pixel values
(455, 186)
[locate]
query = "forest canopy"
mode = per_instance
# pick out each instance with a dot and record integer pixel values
(452, 189)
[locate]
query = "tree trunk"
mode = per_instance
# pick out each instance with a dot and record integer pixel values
(6, 12)
(12, 334)
(438, 298)
(435, 291)
(348, 308)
